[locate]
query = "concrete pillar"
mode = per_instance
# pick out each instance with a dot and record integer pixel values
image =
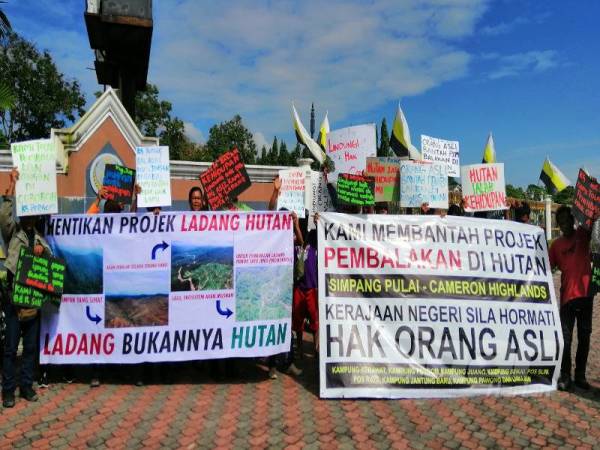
(548, 212)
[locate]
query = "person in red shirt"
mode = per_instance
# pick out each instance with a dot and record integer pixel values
(571, 254)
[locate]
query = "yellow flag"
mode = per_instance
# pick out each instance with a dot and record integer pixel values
(400, 140)
(489, 152)
(553, 178)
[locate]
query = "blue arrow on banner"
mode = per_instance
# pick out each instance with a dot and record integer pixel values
(96, 318)
(224, 312)
(162, 246)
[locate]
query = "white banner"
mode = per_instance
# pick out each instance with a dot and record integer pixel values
(153, 174)
(35, 191)
(424, 306)
(440, 150)
(423, 182)
(350, 147)
(291, 194)
(170, 287)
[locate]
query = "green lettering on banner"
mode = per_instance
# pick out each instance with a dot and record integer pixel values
(355, 190)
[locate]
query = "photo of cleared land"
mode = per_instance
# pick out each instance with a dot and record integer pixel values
(263, 293)
(201, 268)
(136, 299)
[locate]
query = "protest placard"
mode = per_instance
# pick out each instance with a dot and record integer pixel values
(321, 201)
(35, 192)
(153, 173)
(349, 148)
(440, 150)
(425, 306)
(118, 183)
(291, 194)
(225, 179)
(423, 182)
(355, 190)
(595, 280)
(587, 199)
(29, 297)
(175, 286)
(386, 172)
(483, 187)
(45, 273)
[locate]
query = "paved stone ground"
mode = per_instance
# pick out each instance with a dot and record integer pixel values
(254, 412)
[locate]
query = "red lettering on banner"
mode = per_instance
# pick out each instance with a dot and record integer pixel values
(84, 344)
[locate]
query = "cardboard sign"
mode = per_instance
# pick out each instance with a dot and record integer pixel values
(40, 272)
(153, 173)
(29, 297)
(423, 182)
(355, 190)
(350, 147)
(587, 199)
(291, 194)
(35, 192)
(595, 280)
(483, 187)
(386, 172)
(118, 183)
(440, 150)
(321, 201)
(225, 179)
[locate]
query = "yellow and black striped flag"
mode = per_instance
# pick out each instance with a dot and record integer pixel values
(489, 152)
(553, 178)
(305, 139)
(400, 140)
(323, 132)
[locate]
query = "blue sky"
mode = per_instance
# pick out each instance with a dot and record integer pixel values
(526, 70)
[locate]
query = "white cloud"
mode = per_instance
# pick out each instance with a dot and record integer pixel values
(193, 133)
(518, 63)
(216, 59)
(259, 140)
(504, 27)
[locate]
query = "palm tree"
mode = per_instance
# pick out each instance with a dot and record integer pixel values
(6, 95)
(4, 23)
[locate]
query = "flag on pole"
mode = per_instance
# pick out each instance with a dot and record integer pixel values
(489, 152)
(323, 132)
(553, 178)
(305, 139)
(400, 140)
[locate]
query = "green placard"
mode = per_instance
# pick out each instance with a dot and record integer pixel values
(355, 190)
(40, 272)
(595, 281)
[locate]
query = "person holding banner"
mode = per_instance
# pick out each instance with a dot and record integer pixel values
(571, 254)
(20, 322)
(196, 199)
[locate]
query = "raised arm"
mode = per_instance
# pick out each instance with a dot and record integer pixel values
(275, 194)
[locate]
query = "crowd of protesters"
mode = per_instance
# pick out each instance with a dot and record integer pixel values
(570, 253)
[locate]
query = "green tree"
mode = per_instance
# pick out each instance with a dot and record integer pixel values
(262, 160)
(565, 197)
(295, 154)
(535, 192)
(384, 145)
(42, 97)
(284, 155)
(273, 154)
(230, 134)
(153, 118)
(515, 192)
